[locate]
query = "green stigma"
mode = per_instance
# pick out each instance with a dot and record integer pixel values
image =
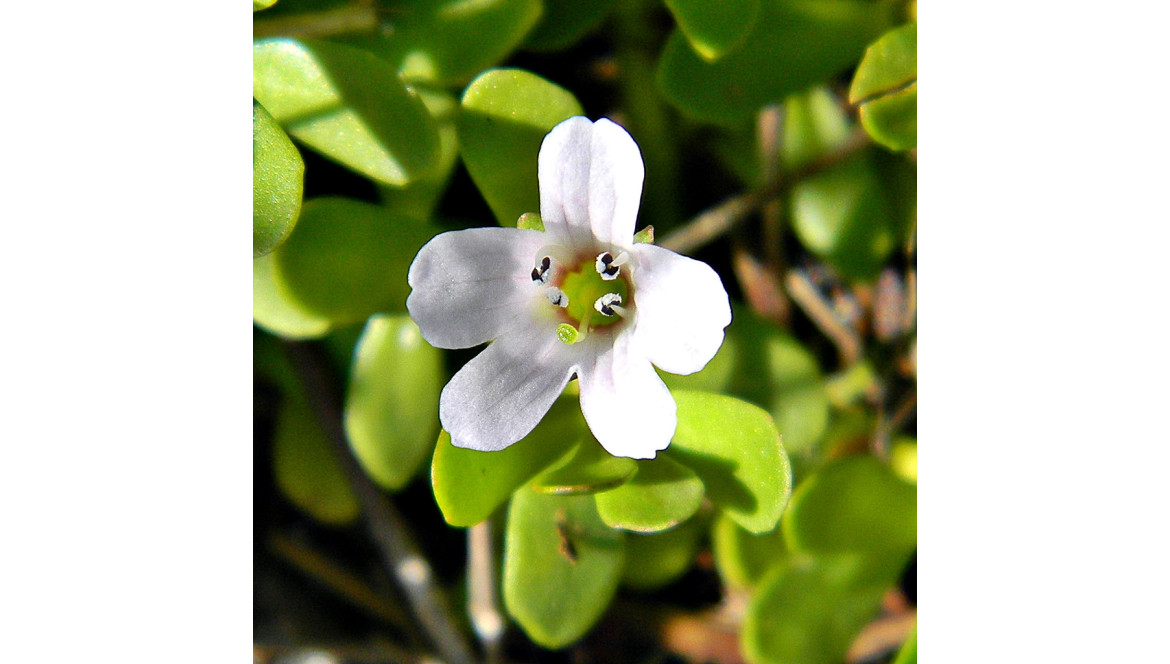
(567, 333)
(584, 287)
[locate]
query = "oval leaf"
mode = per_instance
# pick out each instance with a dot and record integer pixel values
(347, 260)
(854, 504)
(658, 559)
(275, 310)
(808, 611)
(714, 27)
(735, 450)
(890, 64)
(306, 469)
(504, 116)
(277, 182)
(795, 44)
(892, 120)
(469, 485)
(348, 105)
(565, 22)
(561, 566)
(744, 558)
(392, 404)
(588, 469)
(661, 495)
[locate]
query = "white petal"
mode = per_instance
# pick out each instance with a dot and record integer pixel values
(470, 286)
(628, 408)
(501, 394)
(591, 178)
(682, 310)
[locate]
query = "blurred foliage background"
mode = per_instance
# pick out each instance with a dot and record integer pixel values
(779, 141)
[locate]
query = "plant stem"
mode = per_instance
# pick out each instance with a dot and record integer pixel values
(482, 605)
(391, 536)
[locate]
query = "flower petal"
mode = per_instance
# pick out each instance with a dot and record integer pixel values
(591, 178)
(682, 310)
(469, 286)
(627, 406)
(501, 394)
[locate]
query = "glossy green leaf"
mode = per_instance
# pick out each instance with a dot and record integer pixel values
(890, 64)
(658, 559)
(277, 182)
(734, 448)
(661, 495)
(392, 404)
(419, 198)
(854, 504)
(347, 259)
(795, 44)
(714, 27)
(348, 105)
(446, 42)
(588, 469)
(307, 471)
(561, 566)
(565, 22)
(470, 485)
(892, 120)
(504, 117)
(809, 610)
(842, 215)
(744, 558)
(257, 5)
(275, 310)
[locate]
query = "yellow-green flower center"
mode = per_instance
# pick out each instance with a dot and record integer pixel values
(584, 287)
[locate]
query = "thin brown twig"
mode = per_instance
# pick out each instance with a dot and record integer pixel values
(391, 536)
(715, 221)
(805, 294)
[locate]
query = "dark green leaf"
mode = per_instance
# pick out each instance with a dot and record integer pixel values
(347, 260)
(892, 120)
(307, 471)
(890, 64)
(735, 450)
(419, 198)
(504, 117)
(744, 558)
(470, 485)
(392, 404)
(661, 495)
(657, 559)
(277, 180)
(795, 44)
(446, 42)
(715, 27)
(348, 105)
(565, 22)
(561, 566)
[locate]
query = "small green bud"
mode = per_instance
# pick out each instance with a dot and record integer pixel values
(530, 221)
(644, 236)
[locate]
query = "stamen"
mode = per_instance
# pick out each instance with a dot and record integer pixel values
(540, 273)
(556, 296)
(607, 266)
(607, 305)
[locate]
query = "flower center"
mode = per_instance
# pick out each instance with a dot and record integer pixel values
(585, 288)
(591, 296)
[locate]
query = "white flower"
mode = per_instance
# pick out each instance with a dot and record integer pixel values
(579, 298)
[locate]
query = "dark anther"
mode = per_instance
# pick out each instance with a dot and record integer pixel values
(535, 274)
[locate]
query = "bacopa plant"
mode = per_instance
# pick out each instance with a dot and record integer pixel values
(618, 367)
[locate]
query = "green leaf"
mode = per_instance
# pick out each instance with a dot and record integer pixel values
(892, 120)
(886, 86)
(504, 117)
(744, 558)
(808, 611)
(715, 27)
(347, 260)
(795, 44)
(662, 494)
(842, 215)
(470, 485)
(277, 181)
(890, 64)
(658, 559)
(275, 310)
(307, 471)
(565, 22)
(257, 5)
(909, 652)
(854, 504)
(588, 469)
(735, 450)
(348, 105)
(392, 404)
(561, 566)
(419, 198)
(446, 42)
